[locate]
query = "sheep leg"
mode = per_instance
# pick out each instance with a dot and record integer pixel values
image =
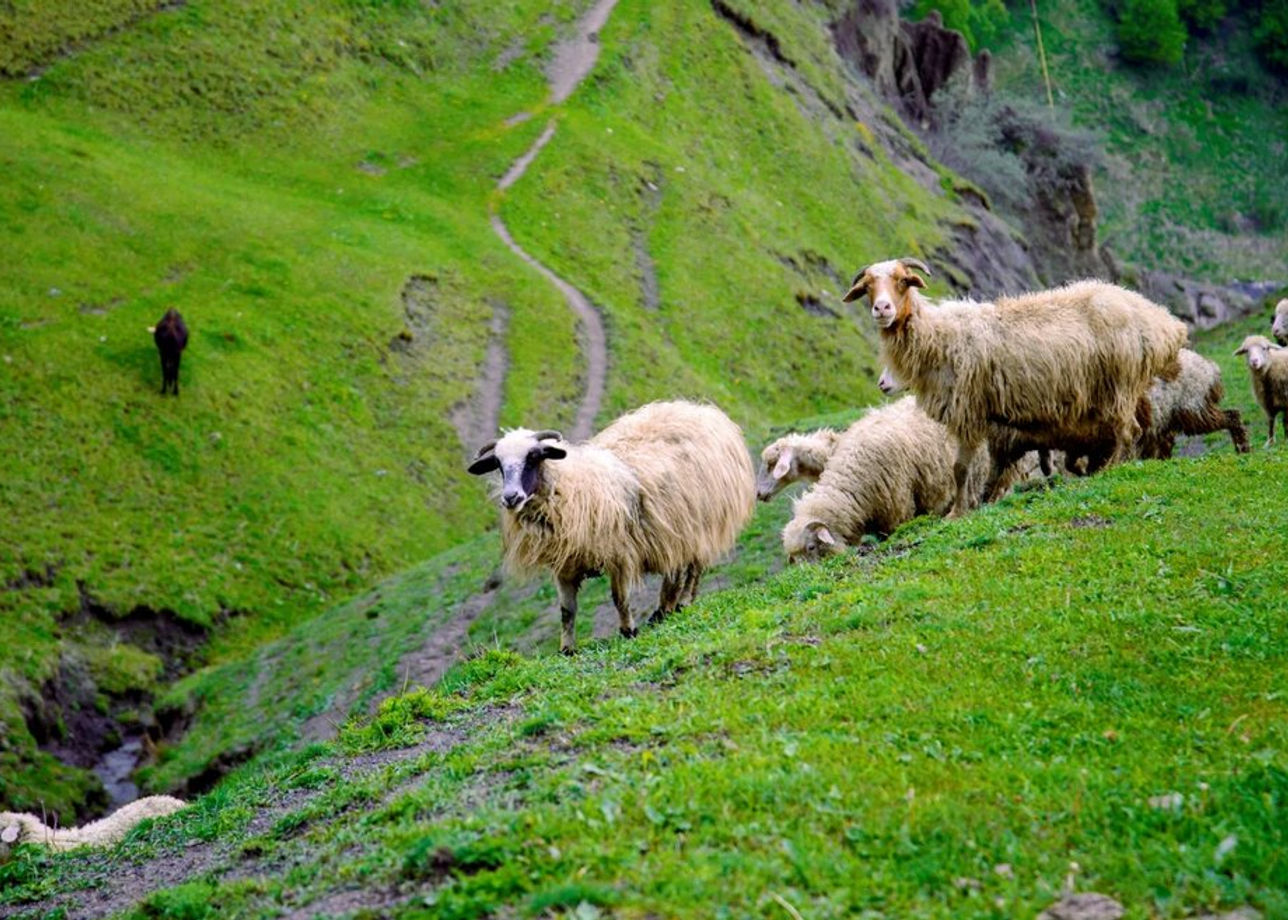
(690, 592)
(961, 472)
(1044, 462)
(1238, 433)
(1271, 440)
(568, 588)
(625, 622)
(672, 588)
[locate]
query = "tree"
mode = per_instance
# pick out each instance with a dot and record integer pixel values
(1151, 32)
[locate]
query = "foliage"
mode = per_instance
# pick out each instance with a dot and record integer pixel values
(980, 21)
(1151, 32)
(1202, 15)
(1271, 33)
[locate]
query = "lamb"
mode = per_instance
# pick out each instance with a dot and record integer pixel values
(17, 827)
(1279, 326)
(890, 466)
(1072, 364)
(1268, 365)
(171, 336)
(1190, 404)
(665, 489)
(794, 458)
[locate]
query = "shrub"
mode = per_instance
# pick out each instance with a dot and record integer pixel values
(1202, 15)
(981, 21)
(1271, 34)
(1151, 32)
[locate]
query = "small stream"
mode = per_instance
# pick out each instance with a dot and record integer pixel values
(115, 769)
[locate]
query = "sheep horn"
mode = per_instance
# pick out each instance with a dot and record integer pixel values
(917, 264)
(548, 434)
(485, 449)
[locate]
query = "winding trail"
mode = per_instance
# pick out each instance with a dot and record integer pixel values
(573, 62)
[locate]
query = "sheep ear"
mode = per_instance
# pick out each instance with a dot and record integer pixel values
(550, 452)
(818, 530)
(914, 280)
(783, 466)
(858, 289)
(486, 464)
(1241, 350)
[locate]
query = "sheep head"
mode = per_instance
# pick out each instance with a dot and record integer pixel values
(518, 456)
(1258, 349)
(888, 286)
(1279, 328)
(809, 541)
(888, 383)
(791, 458)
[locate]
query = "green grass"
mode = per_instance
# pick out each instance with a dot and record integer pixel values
(1191, 177)
(207, 157)
(940, 729)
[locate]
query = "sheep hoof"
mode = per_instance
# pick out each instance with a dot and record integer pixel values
(567, 650)
(657, 617)
(630, 633)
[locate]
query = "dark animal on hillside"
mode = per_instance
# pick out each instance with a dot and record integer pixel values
(171, 336)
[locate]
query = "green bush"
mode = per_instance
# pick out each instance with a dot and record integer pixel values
(1202, 15)
(981, 21)
(1271, 34)
(1151, 32)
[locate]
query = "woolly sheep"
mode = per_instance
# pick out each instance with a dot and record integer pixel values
(1073, 363)
(17, 827)
(664, 490)
(888, 467)
(1016, 455)
(1279, 326)
(1190, 404)
(794, 458)
(1268, 365)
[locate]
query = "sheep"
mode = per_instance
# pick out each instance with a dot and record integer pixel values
(1071, 364)
(171, 336)
(888, 467)
(1015, 455)
(794, 458)
(17, 827)
(1268, 365)
(665, 489)
(1190, 404)
(1279, 326)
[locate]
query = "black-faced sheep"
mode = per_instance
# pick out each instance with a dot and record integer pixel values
(1279, 325)
(1071, 364)
(171, 336)
(888, 467)
(663, 490)
(1190, 404)
(18, 827)
(1268, 366)
(794, 458)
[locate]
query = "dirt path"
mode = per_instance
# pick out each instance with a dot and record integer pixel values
(572, 63)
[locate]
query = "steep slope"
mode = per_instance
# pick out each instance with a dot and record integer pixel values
(1073, 690)
(312, 188)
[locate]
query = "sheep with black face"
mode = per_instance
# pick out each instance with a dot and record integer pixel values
(663, 490)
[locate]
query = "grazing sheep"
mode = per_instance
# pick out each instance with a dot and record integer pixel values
(888, 467)
(18, 827)
(1016, 455)
(1190, 404)
(1268, 365)
(1279, 326)
(793, 458)
(1071, 364)
(664, 490)
(171, 336)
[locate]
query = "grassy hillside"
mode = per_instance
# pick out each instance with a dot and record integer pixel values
(1074, 688)
(1193, 154)
(280, 174)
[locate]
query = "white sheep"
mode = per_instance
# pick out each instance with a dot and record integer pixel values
(664, 490)
(1279, 325)
(1071, 364)
(1268, 366)
(19, 827)
(1190, 404)
(888, 467)
(794, 458)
